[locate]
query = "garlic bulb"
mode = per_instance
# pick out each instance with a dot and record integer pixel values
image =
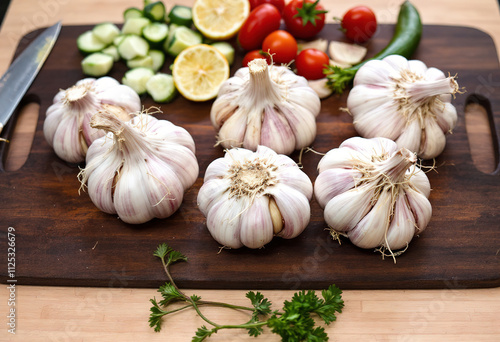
(66, 127)
(373, 192)
(141, 168)
(404, 101)
(249, 197)
(268, 106)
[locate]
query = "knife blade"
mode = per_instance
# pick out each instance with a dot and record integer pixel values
(21, 73)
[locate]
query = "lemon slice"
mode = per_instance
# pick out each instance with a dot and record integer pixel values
(220, 19)
(199, 72)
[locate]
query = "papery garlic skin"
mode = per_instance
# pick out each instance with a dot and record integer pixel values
(250, 197)
(141, 168)
(405, 101)
(372, 191)
(270, 106)
(67, 123)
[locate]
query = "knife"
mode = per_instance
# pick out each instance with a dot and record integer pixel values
(21, 73)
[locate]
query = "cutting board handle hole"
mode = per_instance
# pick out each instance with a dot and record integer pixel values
(481, 133)
(21, 134)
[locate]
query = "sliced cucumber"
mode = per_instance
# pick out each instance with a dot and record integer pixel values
(137, 78)
(133, 46)
(158, 59)
(113, 52)
(171, 31)
(161, 88)
(106, 32)
(183, 37)
(155, 33)
(118, 39)
(135, 25)
(226, 49)
(97, 64)
(132, 12)
(88, 43)
(181, 15)
(137, 62)
(155, 11)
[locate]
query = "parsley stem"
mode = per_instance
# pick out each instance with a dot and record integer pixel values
(226, 305)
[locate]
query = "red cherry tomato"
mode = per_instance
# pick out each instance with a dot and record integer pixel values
(263, 20)
(359, 24)
(310, 63)
(254, 54)
(280, 4)
(281, 45)
(304, 18)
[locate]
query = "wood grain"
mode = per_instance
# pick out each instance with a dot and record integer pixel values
(457, 249)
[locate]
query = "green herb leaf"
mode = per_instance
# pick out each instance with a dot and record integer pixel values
(169, 294)
(332, 304)
(201, 334)
(175, 256)
(262, 305)
(162, 250)
(155, 316)
(195, 298)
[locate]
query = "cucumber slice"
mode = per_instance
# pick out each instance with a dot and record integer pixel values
(161, 88)
(133, 46)
(132, 12)
(155, 11)
(155, 33)
(183, 37)
(113, 52)
(226, 49)
(138, 62)
(97, 64)
(88, 43)
(135, 25)
(158, 59)
(118, 39)
(181, 15)
(106, 32)
(137, 78)
(171, 31)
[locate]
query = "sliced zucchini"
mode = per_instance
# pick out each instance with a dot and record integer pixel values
(181, 15)
(161, 88)
(158, 59)
(155, 11)
(88, 43)
(132, 12)
(133, 46)
(226, 49)
(137, 78)
(106, 32)
(138, 62)
(155, 33)
(113, 52)
(183, 37)
(97, 64)
(135, 25)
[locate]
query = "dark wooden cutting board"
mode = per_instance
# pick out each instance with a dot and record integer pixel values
(62, 239)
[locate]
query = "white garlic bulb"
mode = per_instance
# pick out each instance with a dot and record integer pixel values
(270, 106)
(141, 168)
(66, 126)
(249, 197)
(373, 192)
(404, 101)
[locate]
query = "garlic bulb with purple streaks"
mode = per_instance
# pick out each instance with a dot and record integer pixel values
(67, 123)
(373, 192)
(141, 168)
(404, 101)
(250, 197)
(270, 106)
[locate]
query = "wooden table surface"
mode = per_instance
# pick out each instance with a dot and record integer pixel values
(104, 314)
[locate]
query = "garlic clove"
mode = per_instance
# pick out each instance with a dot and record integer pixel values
(101, 192)
(223, 221)
(294, 208)
(256, 224)
(434, 140)
(320, 87)
(67, 145)
(419, 180)
(238, 154)
(297, 179)
(276, 217)
(211, 192)
(318, 44)
(339, 64)
(217, 169)
(369, 147)
(447, 118)
(276, 132)
(232, 133)
(373, 123)
(402, 227)
(397, 62)
(347, 53)
(222, 110)
(340, 158)
(434, 74)
(376, 73)
(171, 133)
(302, 123)
(421, 208)
(253, 129)
(181, 160)
(343, 212)
(417, 67)
(410, 138)
(371, 229)
(333, 182)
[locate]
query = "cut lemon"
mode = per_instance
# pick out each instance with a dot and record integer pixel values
(220, 19)
(199, 72)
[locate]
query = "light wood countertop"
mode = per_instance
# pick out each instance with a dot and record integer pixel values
(105, 314)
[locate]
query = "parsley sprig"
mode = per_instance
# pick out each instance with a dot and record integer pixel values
(294, 322)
